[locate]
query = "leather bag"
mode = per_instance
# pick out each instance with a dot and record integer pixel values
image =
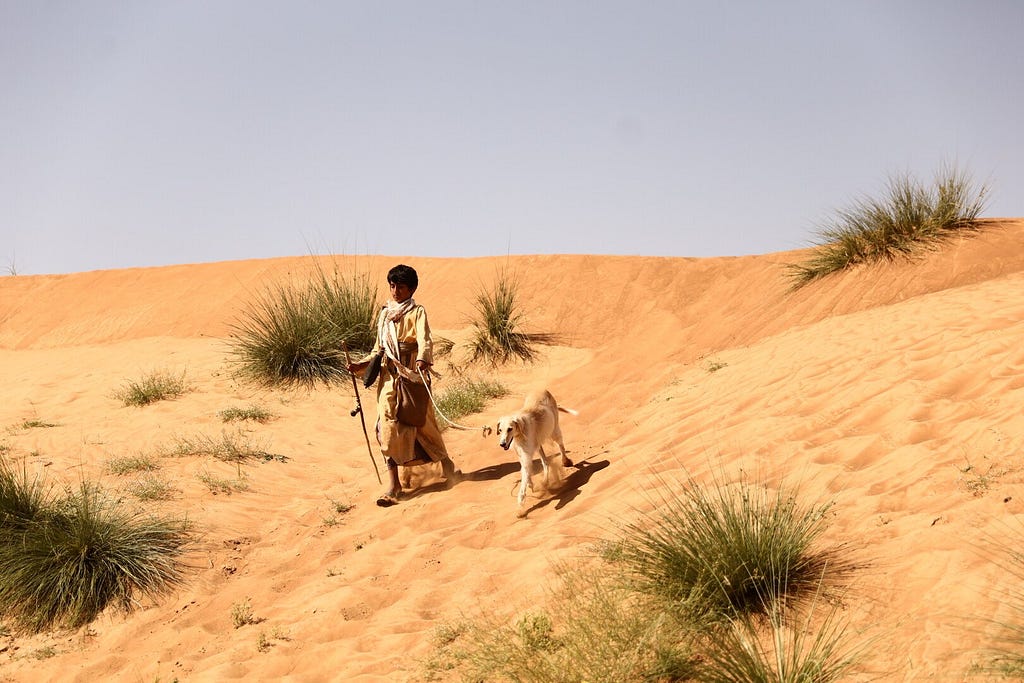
(413, 402)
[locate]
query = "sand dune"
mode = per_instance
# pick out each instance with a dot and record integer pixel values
(894, 391)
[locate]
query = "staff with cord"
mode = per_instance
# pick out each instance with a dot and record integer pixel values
(359, 409)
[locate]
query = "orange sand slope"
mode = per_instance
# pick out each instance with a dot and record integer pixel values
(893, 390)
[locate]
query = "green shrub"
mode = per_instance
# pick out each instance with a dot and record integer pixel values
(907, 218)
(159, 385)
(292, 334)
(727, 549)
(63, 561)
(497, 336)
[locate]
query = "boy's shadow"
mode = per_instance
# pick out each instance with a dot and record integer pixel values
(489, 473)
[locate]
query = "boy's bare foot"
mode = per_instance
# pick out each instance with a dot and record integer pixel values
(452, 476)
(388, 498)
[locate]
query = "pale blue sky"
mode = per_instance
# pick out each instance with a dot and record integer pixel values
(139, 133)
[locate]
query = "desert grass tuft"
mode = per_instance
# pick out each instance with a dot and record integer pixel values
(778, 648)
(150, 488)
(724, 549)
(65, 560)
(497, 325)
(243, 615)
(36, 423)
(216, 484)
(128, 464)
(252, 413)
(23, 497)
(293, 333)
(236, 447)
(596, 630)
(159, 385)
(908, 217)
(1002, 654)
(466, 396)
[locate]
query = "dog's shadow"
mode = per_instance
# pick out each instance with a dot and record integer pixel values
(492, 472)
(571, 486)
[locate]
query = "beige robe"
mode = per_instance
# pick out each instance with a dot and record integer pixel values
(405, 444)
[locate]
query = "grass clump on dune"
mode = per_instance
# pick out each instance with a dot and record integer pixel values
(717, 584)
(497, 327)
(63, 560)
(594, 630)
(159, 385)
(725, 549)
(1002, 654)
(781, 649)
(465, 397)
(292, 334)
(254, 413)
(230, 447)
(908, 217)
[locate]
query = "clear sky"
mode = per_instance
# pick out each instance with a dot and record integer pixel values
(139, 133)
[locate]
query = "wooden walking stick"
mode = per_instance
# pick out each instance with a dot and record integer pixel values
(359, 409)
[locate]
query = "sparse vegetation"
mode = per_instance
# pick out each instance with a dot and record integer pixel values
(976, 482)
(242, 614)
(159, 385)
(780, 649)
(338, 509)
(64, 560)
(253, 413)
(630, 614)
(909, 217)
(234, 447)
(1003, 653)
(36, 423)
(222, 484)
(128, 464)
(467, 396)
(292, 334)
(498, 336)
(152, 488)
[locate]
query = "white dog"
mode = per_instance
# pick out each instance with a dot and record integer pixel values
(527, 430)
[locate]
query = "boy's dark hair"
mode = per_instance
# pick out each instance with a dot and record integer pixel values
(404, 275)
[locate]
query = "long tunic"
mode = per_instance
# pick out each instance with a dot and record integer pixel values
(403, 443)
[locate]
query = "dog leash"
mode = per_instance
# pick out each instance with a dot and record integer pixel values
(485, 430)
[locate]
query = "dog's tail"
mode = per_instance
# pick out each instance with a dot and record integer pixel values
(567, 410)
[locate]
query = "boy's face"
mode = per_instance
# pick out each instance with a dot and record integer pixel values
(400, 292)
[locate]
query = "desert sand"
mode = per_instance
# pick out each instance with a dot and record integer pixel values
(894, 391)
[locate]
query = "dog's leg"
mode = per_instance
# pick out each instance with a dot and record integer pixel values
(547, 467)
(556, 436)
(525, 472)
